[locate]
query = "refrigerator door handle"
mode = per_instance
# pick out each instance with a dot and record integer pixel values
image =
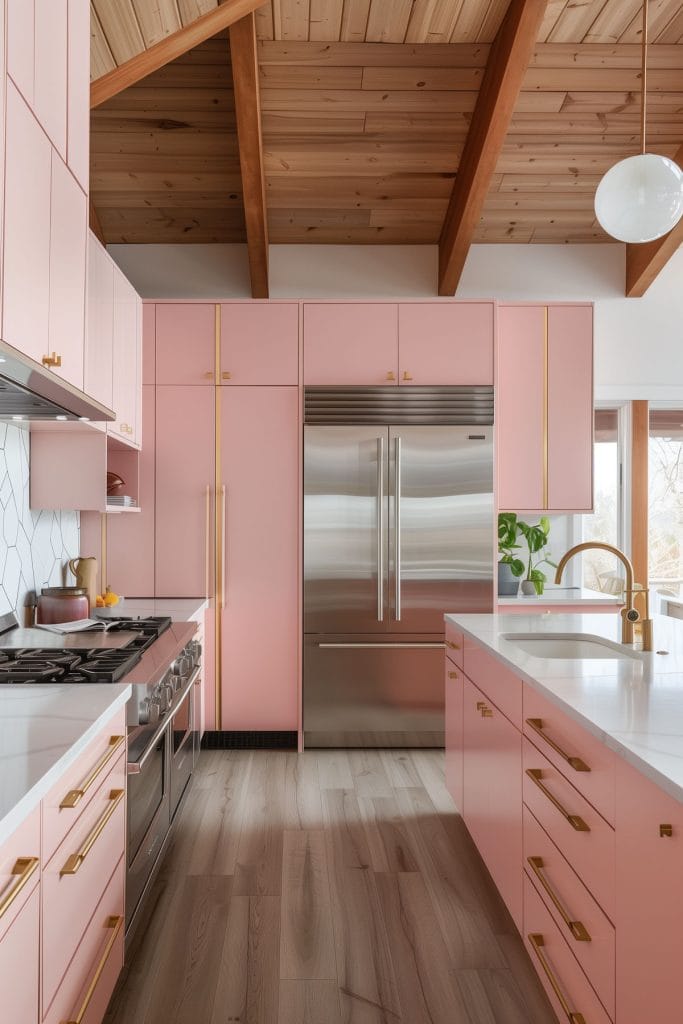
(397, 529)
(380, 529)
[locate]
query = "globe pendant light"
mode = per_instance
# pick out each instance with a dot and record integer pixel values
(641, 197)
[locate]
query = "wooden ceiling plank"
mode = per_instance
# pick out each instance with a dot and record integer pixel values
(351, 54)
(191, 9)
(355, 21)
(576, 20)
(101, 57)
(166, 50)
(671, 33)
(248, 110)
(660, 13)
(326, 19)
(291, 19)
(388, 23)
(492, 21)
(645, 262)
(294, 76)
(264, 21)
(433, 21)
(157, 20)
(426, 79)
(470, 20)
(613, 20)
(356, 100)
(120, 27)
(95, 224)
(553, 12)
(508, 60)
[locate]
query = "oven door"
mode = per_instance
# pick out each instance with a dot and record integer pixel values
(181, 739)
(148, 807)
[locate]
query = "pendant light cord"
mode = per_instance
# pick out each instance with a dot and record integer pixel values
(643, 77)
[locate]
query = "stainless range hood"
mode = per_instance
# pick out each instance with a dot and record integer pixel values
(30, 392)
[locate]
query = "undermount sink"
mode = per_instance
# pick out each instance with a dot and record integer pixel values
(567, 645)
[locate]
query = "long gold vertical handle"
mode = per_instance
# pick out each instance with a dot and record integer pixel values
(207, 543)
(75, 795)
(114, 924)
(576, 822)
(224, 573)
(537, 944)
(22, 871)
(74, 862)
(397, 529)
(380, 529)
(577, 929)
(574, 762)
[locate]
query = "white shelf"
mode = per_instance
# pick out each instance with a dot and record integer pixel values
(115, 509)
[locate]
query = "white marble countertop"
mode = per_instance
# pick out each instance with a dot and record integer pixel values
(43, 729)
(563, 595)
(181, 609)
(634, 706)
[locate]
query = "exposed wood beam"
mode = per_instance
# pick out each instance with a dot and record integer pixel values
(245, 75)
(644, 262)
(640, 435)
(167, 49)
(95, 225)
(510, 54)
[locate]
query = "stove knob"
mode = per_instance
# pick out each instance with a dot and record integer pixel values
(144, 713)
(154, 710)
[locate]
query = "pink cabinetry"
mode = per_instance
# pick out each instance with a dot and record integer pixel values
(570, 407)
(19, 962)
(21, 45)
(454, 733)
(68, 241)
(100, 324)
(350, 343)
(50, 69)
(126, 359)
(260, 343)
(185, 343)
(78, 92)
(445, 343)
(260, 473)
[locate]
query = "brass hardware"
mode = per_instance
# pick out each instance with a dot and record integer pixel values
(75, 795)
(486, 713)
(114, 924)
(574, 762)
(406, 375)
(126, 428)
(207, 542)
(51, 361)
(545, 408)
(666, 831)
(481, 704)
(576, 822)
(391, 375)
(74, 862)
(453, 646)
(577, 929)
(209, 375)
(537, 944)
(218, 549)
(644, 626)
(22, 871)
(226, 375)
(452, 675)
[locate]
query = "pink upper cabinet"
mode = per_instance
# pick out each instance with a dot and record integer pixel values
(520, 406)
(445, 343)
(260, 343)
(149, 338)
(100, 326)
(21, 45)
(50, 71)
(78, 92)
(68, 242)
(350, 343)
(26, 264)
(185, 343)
(570, 408)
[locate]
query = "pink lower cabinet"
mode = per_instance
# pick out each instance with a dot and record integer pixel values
(454, 733)
(19, 922)
(259, 519)
(649, 879)
(350, 343)
(445, 343)
(493, 793)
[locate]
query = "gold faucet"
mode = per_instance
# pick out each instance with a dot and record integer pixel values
(630, 616)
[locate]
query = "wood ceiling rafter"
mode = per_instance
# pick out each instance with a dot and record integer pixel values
(645, 262)
(245, 76)
(505, 69)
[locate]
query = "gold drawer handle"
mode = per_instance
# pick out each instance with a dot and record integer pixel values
(406, 375)
(453, 646)
(209, 375)
(537, 943)
(51, 360)
(486, 712)
(577, 929)
(576, 822)
(22, 871)
(114, 924)
(226, 375)
(574, 762)
(74, 795)
(76, 859)
(391, 375)
(452, 675)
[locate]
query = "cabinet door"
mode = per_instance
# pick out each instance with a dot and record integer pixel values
(260, 471)
(185, 445)
(26, 287)
(50, 71)
(521, 406)
(19, 958)
(185, 343)
(570, 408)
(127, 371)
(454, 733)
(100, 330)
(78, 111)
(493, 794)
(350, 343)
(21, 45)
(445, 343)
(649, 883)
(260, 343)
(68, 241)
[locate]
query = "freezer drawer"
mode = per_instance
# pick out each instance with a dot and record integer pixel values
(365, 691)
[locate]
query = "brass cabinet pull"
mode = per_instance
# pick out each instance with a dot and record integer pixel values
(406, 375)
(226, 375)
(574, 762)
(22, 871)
(76, 859)
(453, 646)
(486, 712)
(452, 675)
(51, 361)
(114, 924)
(577, 929)
(537, 943)
(74, 795)
(209, 375)
(391, 375)
(666, 831)
(481, 704)
(576, 822)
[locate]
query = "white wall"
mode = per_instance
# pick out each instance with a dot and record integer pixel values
(638, 342)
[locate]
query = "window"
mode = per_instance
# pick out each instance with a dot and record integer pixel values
(606, 523)
(665, 500)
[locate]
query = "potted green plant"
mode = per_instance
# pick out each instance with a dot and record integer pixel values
(510, 566)
(536, 538)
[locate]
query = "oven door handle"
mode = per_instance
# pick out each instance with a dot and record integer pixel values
(135, 767)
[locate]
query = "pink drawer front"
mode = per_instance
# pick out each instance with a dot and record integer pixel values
(68, 799)
(99, 954)
(565, 984)
(19, 962)
(19, 868)
(582, 835)
(455, 644)
(495, 681)
(582, 758)
(76, 877)
(588, 932)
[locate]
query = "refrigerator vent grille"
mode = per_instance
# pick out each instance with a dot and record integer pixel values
(409, 406)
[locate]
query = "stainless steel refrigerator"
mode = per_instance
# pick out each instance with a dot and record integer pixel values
(398, 530)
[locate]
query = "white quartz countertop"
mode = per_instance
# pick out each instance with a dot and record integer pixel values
(43, 729)
(563, 595)
(181, 609)
(635, 705)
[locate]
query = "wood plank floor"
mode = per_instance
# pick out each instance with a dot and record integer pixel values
(325, 888)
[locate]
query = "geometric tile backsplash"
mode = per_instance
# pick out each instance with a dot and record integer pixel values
(34, 545)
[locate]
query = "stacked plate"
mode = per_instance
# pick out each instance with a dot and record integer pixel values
(124, 500)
